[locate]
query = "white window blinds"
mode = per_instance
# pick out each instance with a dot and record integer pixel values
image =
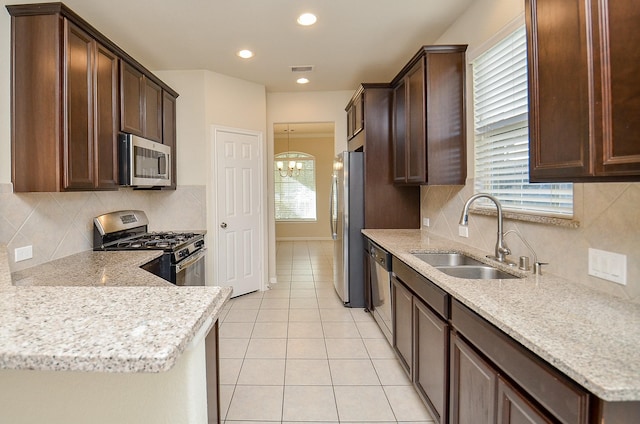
(501, 132)
(295, 195)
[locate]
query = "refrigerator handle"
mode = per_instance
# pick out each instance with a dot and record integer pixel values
(332, 221)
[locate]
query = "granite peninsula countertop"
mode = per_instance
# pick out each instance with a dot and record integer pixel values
(98, 311)
(593, 338)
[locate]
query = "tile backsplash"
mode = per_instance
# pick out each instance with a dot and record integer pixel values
(609, 217)
(61, 224)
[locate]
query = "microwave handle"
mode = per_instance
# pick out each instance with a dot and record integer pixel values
(162, 160)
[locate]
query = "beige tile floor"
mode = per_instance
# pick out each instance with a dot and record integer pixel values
(296, 354)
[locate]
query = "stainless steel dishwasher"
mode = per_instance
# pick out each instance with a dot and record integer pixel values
(380, 269)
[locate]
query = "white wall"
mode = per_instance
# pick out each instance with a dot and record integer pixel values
(236, 103)
(206, 99)
(191, 129)
(318, 106)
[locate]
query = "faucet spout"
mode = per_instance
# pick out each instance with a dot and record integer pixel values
(501, 249)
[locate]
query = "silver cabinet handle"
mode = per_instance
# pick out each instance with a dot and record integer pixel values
(223, 225)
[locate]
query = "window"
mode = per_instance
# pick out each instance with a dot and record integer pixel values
(295, 195)
(501, 132)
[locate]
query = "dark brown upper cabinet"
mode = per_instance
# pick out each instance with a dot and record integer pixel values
(140, 104)
(355, 116)
(169, 131)
(65, 101)
(370, 106)
(429, 127)
(584, 91)
(64, 107)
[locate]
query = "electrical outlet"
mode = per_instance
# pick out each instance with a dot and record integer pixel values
(608, 266)
(425, 222)
(23, 253)
(463, 231)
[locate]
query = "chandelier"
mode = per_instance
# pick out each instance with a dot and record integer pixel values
(293, 167)
(292, 170)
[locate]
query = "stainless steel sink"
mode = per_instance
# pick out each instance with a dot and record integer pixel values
(447, 259)
(462, 266)
(475, 272)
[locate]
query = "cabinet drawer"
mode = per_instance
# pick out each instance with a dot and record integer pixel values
(428, 292)
(559, 395)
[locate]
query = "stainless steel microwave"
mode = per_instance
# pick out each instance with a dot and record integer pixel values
(143, 163)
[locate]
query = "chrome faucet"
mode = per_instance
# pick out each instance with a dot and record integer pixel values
(501, 250)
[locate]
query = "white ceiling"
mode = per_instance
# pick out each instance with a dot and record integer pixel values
(353, 41)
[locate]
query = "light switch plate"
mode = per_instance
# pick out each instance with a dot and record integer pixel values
(608, 266)
(463, 231)
(425, 222)
(23, 253)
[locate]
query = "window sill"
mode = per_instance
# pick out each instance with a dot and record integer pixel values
(536, 219)
(296, 221)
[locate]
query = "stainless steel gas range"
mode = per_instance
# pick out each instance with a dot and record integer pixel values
(182, 262)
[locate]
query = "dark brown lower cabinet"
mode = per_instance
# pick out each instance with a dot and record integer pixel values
(488, 352)
(421, 336)
(467, 371)
(473, 386)
(213, 375)
(402, 324)
(513, 408)
(430, 364)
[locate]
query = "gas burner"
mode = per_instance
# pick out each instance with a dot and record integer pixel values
(157, 243)
(129, 245)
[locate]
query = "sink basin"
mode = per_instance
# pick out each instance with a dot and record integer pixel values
(475, 272)
(462, 266)
(447, 259)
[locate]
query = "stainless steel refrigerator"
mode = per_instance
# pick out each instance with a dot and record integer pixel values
(347, 219)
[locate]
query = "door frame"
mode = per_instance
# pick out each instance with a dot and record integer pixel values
(212, 205)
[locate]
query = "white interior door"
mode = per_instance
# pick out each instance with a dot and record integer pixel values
(239, 213)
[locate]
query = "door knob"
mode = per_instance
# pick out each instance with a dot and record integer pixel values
(223, 225)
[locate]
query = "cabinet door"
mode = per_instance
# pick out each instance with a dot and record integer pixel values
(431, 341)
(169, 130)
(400, 133)
(152, 122)
(106, 118)
(513, 408)
(473, 386)
(416, 142)
(78, 152)
(446, 149)
(619, 87)
(131, 99)
(212, 365)
(350, 121)
(560, 82)
(358, 114)
(402, 324)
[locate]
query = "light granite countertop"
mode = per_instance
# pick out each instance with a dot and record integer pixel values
(592, 337)
(98, 311)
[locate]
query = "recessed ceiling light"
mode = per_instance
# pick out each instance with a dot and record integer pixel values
(302, 80)
(245, 54)
(307, 19)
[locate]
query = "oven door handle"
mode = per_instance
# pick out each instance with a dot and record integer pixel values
(191, 260)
